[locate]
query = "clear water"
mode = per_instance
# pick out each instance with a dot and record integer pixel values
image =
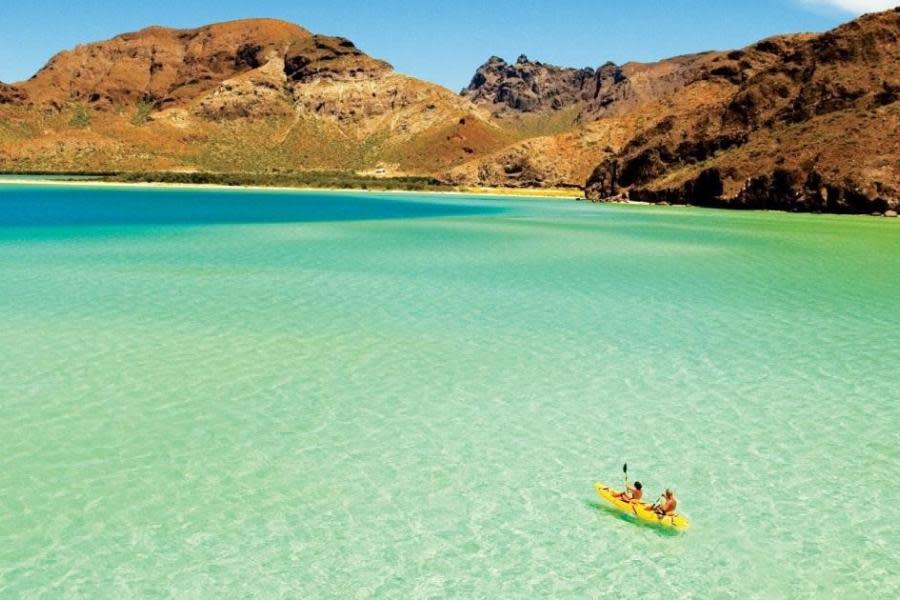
(28, 177)
(236, 394)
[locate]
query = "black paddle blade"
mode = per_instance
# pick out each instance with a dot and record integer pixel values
(625, 468)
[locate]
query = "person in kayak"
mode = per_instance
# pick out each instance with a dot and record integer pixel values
(667, 506)
(632, 494)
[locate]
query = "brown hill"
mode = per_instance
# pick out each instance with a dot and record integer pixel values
(813, 124)
(255, 95)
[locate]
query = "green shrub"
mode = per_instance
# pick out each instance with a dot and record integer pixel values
(80, 116)
(315, 179)
(142, 115)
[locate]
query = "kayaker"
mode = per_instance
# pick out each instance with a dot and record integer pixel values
(632, 494)
(667, 506)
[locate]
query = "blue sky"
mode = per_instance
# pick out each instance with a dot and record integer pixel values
(440, 40)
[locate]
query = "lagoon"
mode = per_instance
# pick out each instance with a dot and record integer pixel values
(311, 394)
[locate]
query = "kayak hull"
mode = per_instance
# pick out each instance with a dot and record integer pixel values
(640, 510)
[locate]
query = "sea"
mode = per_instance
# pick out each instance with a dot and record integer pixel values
(232, 393)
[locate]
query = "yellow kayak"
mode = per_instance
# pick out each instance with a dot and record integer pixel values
(640, 510)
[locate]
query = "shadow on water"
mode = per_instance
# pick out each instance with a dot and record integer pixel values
(614, 512)
(36, 206)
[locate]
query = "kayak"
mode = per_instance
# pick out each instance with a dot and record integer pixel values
(641, 510)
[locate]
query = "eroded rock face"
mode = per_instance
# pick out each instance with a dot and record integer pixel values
(647, 163)
(603, 184)
(171, 67)
(330, 58)
(360, 99)
(781, 189)
(706, 190)
(10, 94)
(520, 167)
(257, 93)
(529, 86)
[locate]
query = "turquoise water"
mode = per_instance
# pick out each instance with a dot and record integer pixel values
(237, 394)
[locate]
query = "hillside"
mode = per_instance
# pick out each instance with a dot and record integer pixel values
(800, 122)
(251, 96)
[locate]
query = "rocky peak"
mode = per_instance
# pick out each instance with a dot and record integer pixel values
(331, 58)
(529, 86)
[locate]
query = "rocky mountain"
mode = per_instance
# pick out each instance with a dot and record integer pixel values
(254, 95)
(528, 86)
(801, 122)
(615, 109)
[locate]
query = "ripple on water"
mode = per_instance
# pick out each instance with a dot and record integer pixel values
(419, 406)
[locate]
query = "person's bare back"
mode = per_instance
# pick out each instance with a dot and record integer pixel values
(668, 504)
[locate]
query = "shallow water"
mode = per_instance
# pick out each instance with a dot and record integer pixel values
(227, 393)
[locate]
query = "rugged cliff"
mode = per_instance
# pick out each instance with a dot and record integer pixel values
(812, 124)
(528, 86)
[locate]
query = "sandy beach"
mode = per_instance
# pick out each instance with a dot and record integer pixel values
(549, 193)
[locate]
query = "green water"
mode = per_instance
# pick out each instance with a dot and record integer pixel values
(235, 394)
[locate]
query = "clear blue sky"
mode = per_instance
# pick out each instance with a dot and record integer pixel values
(438, 40)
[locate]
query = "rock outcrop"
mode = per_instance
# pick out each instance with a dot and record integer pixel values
(782, 189)
(332, 58)
(257, 93)
(10, 94)
(529, 86)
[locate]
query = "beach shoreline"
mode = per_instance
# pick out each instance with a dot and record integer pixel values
(555, 194)
(547, 193)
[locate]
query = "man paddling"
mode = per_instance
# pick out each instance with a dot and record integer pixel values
(632, 494)
(667, 506)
